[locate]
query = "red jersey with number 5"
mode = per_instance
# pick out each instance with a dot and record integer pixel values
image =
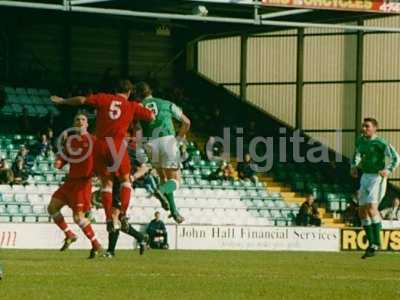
(115, 113)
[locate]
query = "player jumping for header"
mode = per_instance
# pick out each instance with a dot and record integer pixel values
(369, 157)
(114, 114)
(162, 144)
(76, 190)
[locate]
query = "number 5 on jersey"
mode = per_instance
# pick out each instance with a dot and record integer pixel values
(115, 110)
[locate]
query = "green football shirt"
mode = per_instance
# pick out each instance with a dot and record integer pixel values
(164, 111)
(370, 155)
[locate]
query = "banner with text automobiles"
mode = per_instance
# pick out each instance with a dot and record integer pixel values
(378, 6)
(257, 238)
(355, 239)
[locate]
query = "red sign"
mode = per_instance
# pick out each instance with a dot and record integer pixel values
(378, 6)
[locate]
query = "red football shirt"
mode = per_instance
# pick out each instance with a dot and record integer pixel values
(115, 114)
(78, 152)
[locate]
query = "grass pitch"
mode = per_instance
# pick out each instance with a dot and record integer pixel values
(198, 275)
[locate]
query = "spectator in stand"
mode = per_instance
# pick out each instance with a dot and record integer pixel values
(44, 147)
(50, 136)
(392, 213)
(20, 172)
(246, 169)
(224, 172)
(158, 236)
(308, 213)
(6, 174)
(229, 173)
(22, 155)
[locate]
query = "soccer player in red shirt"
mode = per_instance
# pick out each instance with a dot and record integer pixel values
(77, 188)
(114, 115)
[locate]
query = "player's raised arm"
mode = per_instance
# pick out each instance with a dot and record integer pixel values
(73, 101)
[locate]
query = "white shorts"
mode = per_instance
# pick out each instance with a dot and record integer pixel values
(372, 189)
(164, 152)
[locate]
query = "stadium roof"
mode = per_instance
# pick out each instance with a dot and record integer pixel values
(220, 16)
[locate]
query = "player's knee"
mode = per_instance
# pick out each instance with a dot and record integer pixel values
(126, 184)
(177, 184)
(51, 209)
(373, 211)
(80, 220)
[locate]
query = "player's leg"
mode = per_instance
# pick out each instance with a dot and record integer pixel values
(370, 193)
(157, 192)
(54, 210)
(378, 192)
(125, 192)
(376, 224)
(366, 224)
(170, 162)
(113, 234)
(107, 199)
(128, 229)
(169, 188)
(86, 227)
(140, 172)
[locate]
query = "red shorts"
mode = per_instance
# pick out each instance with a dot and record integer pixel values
(109, 161)
(76, 193)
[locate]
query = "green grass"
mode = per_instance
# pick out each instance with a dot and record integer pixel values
(198, 275)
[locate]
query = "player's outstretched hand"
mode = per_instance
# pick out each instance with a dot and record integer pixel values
(384, 173)
(56, 99)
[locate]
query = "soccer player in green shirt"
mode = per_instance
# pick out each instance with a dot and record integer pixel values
(370, 157)
(163, 145)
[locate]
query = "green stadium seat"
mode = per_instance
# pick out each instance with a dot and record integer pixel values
(21, 198)
(9, 90)
(43, 92)
(265, 213)
(17, 218)
(8, 198)
(7, 110)
(43, 166)
(31, 110)
(32, 91)
(197, 173)
(333, 205)
(206, 172)
(13, 99)
(31, 218)
(21, 91)
(59, 177)
(5, 218)
(13, 209)
(281, 222)
(26, 209)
